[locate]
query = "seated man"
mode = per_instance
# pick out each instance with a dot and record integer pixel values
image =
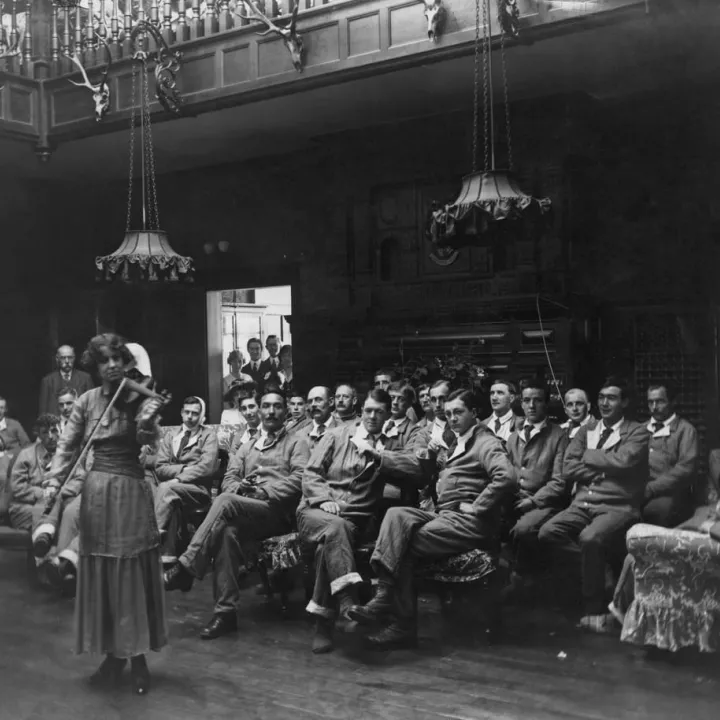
(66, 401)
(250, 411)
(399, 433)
(297, 412)
(423, 398)
(346, 404)
(536, 452)
(184, 468)
(342, 488)
(260, 493)
(608, 466)
(60, 525)
(28, 475)
(12, 433)
(476, 481)
(383, 379)
(577, 408)
(503, 420)
(672, 461)
(320, 403)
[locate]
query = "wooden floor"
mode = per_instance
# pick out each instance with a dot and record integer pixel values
(267, 670)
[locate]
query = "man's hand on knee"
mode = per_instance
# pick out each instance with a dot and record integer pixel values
(330, 507)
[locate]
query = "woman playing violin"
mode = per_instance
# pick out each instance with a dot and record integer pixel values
(120, 602)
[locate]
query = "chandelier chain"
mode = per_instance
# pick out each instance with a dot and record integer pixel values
(149, 149)
(476, 86)
(486, 84)
(128, 218)
(508, 132)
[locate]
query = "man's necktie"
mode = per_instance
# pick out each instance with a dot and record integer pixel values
(321, 429)
(448, 437)
(606, 433)
(270, 438)
(528, 432)
(388, 426)
(498, 425)
(183, 442)
(658, 426)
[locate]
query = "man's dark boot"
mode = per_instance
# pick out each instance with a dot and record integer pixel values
(346, 600)
(42, 545)
(178, 578)
(381, 605)
(397, 636)
(221, 624)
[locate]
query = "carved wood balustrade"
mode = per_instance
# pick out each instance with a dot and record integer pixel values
(225, 60)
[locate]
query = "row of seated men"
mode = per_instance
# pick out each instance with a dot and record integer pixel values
(573, 490)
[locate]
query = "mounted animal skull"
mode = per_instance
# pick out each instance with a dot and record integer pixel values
(435, 15)
(293, 42)
(100, 91)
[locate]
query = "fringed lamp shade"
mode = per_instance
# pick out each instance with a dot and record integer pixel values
(145, 256)
(485, 197)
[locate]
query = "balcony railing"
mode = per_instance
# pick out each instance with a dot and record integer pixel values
(80, 30)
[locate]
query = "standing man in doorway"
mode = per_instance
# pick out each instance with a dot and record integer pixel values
(254, 367)
(65, 376)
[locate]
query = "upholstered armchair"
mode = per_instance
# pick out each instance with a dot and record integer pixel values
(677, 579)
(677, 589)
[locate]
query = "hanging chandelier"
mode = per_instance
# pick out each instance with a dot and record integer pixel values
(145, 255)
(493, 194)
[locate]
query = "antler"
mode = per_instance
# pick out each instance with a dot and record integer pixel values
(272, 27)
(81, 67)
(101, 90)
(293, 41)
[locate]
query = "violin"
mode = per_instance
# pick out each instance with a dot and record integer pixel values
(132, 390)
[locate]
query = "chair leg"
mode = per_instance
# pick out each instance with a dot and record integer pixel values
(265, 579)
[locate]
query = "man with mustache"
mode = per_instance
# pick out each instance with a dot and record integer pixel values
(320, 404)
(65, 376)
(346, 404)
(259, 495)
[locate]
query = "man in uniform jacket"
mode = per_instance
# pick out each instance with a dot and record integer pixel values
(609, 467)
(27, 477)
(320, 405)
(185, 464)
(536, 451)
(476, 481)
(672, 461)
(260, 493)
(12, 433)
(65, 376)
(342, 489)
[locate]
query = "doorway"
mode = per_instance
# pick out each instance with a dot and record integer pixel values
(233, 318)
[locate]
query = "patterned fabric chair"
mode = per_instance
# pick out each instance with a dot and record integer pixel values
(276, 557)
(677, 589)
(469, 586)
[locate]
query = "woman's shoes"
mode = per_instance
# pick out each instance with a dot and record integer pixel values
(109, 673)
(140, 675)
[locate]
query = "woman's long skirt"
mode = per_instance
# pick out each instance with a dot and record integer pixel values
(120, 601)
